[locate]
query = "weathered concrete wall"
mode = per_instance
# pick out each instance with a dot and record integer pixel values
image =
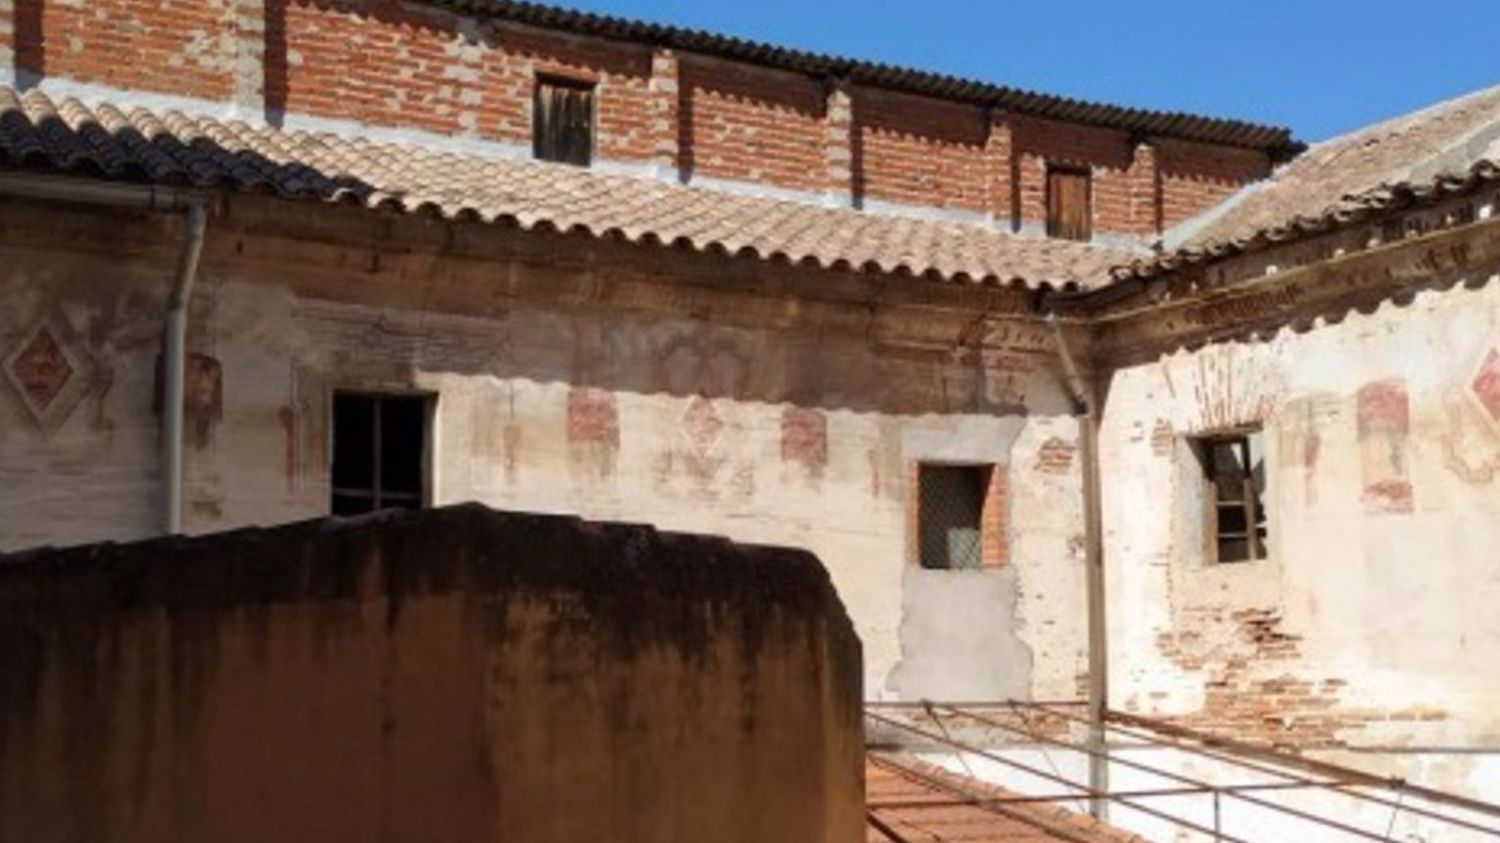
(1368, 631)
(455, 675)
(769, 404)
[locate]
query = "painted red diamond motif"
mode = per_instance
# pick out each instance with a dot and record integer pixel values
(701, 424)
(1486, 384)
(41, 369)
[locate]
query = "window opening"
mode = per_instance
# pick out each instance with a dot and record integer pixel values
(379, 452)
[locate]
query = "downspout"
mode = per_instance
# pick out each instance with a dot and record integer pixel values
(174, 352)
(174, 363)
(1085, 395)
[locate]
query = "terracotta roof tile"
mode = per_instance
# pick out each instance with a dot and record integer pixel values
(1449, 148)
(121, 142)
(922, 803)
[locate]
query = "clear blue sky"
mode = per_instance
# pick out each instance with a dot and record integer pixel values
(1322, 67)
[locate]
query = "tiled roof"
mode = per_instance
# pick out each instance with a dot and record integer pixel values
(922, 803)
(137, 144)
(1448, 148)
(1275, 140)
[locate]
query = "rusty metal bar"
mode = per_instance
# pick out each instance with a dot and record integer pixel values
(1134, 765)
(1366, 779)
(879, 825)
(1101, 796)
(1348, 774)
(1230, 792)
(1073, 797)
(1055, 830)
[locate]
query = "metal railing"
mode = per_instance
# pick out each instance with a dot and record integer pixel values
(1291, 773)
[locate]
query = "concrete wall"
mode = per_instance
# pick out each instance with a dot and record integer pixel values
(1368, 633)
(454, 675)
(765, 403)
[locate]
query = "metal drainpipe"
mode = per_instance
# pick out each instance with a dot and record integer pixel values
(174, 353)
(1086, 404)
(174, 362)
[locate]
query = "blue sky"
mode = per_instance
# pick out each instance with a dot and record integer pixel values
(1322, 67)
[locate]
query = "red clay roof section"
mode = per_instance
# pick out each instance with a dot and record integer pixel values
(1391, 153)
(122, 142)
(920, 803)
(1445, 150)
(1274, 140)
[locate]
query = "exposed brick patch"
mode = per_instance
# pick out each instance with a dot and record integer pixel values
(1252, 692)
(1384, 420)
(804, 438)
(1056, 456)
(994, 520)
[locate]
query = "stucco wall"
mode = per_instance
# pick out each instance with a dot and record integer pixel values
(1368, 633)
(642, 384)
(457, 674)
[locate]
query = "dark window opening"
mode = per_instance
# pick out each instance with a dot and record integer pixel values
(950, 506)
(1235, 471)
(379, 452)
(563, 122)
(1069, 204)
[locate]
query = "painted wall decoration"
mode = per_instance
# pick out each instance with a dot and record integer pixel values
(1485, 386)
(1384, 422)
(49, 370)
(1471, 436)
(593, 432)
(804, 438)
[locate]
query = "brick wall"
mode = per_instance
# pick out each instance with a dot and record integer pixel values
(918, 151)
(1197, 176)
(749, 124)
(182, 47)
(412, 66)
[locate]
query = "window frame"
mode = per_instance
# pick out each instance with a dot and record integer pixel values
(983, 474)
(1257, 532)
(1054, 221)
(544, 81)
(377, 495)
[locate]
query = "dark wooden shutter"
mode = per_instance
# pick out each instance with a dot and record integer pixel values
(563, 130)
(1069, 215)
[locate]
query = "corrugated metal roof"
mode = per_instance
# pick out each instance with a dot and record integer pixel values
(1276, 141)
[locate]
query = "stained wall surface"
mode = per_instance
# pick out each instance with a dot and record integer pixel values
(718, 397)
(456, 674)
(1368, 633)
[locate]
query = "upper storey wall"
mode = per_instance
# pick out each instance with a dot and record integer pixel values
(382, 64)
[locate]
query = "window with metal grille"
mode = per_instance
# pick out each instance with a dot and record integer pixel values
(563, 121)
(1235, 471)
(1069, 204)
(950, 506)
(379, 452)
